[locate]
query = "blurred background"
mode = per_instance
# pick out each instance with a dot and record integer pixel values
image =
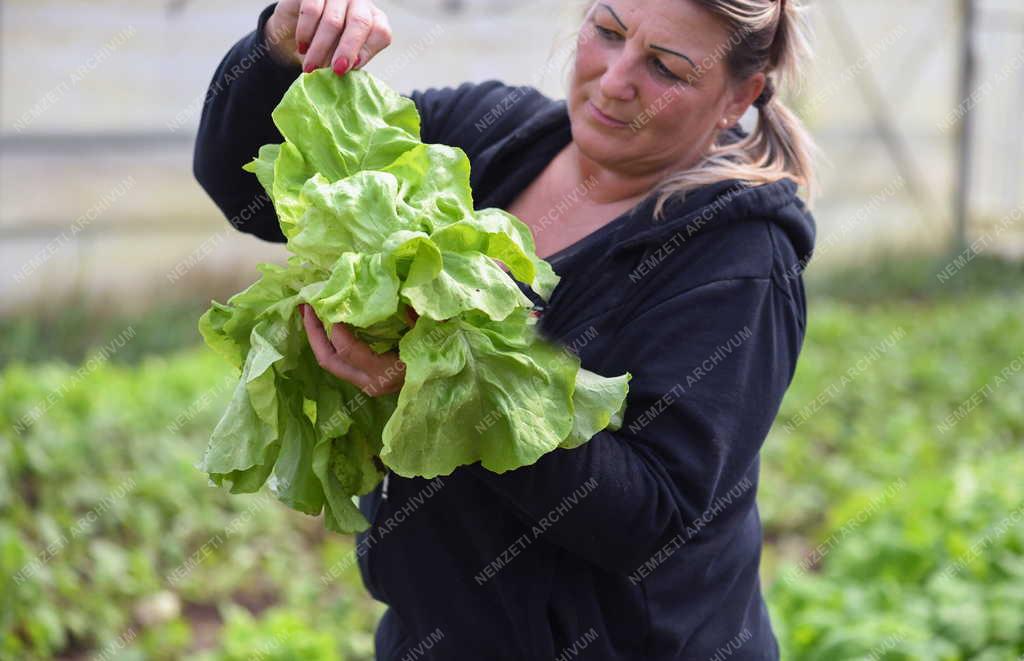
(892, 488)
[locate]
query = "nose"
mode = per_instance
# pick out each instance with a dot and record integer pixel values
(616, 82)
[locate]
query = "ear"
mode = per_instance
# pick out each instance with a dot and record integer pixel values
(742, 95)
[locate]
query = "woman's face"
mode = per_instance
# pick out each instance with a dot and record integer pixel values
(649, 87)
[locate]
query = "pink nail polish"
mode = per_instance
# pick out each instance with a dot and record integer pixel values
(310, 66)
(341, 66)
(303, 47)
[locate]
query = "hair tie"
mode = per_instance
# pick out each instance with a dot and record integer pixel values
(766, 94)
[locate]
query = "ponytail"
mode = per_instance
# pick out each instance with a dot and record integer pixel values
(780, 146)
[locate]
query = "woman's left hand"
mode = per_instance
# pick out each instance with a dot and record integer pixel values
(350, 359)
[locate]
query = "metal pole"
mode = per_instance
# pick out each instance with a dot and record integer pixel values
(884, 118)
(965, 134)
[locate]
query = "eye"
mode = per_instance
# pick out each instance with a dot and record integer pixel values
(661, 69)
(610, 35)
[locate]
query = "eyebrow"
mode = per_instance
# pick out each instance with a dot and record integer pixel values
(666, 50)
(615, 16)
(661, 48)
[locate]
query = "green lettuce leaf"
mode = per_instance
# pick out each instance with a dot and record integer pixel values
(599, 403)
(478, 390)
(346, 125)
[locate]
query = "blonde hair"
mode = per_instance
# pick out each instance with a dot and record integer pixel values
(770, 36)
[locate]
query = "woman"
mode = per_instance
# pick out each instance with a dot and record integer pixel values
(680, 242)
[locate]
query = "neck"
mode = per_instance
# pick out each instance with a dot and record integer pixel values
(607, 186)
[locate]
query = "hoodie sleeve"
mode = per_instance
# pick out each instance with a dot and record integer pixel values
(475, 116)
(444, 111)
(710, 366)
(247, 85)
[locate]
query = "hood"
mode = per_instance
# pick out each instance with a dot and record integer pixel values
(720, 203)
(703, 209)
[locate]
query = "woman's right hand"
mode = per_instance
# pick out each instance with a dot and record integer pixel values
(342, 34)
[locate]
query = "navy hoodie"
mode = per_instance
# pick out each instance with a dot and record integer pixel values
(643, 543)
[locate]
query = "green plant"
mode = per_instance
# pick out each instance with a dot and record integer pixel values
(378, 223)
(279, 635)
(102, 511)
(937, 572)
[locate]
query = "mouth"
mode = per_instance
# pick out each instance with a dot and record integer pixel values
(601, 117)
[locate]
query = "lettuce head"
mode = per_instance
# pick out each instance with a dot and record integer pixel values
(376, 223)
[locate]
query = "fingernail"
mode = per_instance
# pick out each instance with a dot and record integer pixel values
(341, 66)
(303, 47)
(310, 66)
(359, 58)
